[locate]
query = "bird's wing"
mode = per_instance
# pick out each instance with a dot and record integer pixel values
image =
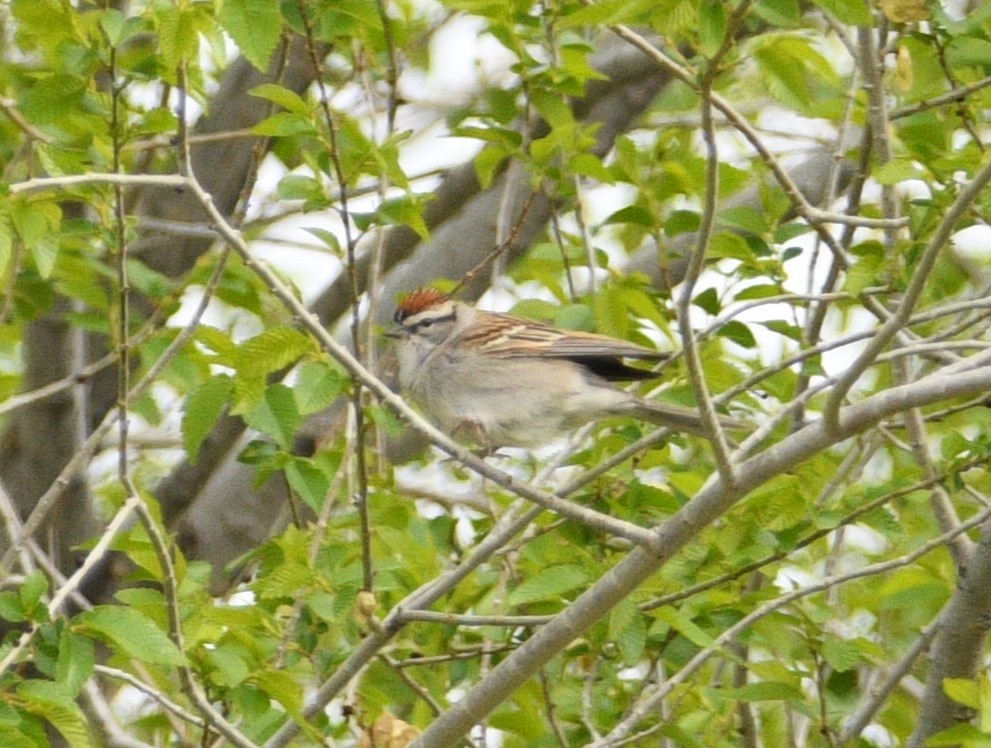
(504, 336)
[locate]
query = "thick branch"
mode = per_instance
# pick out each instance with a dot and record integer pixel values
(710, 503)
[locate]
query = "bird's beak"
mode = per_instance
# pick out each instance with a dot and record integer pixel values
(395, 333)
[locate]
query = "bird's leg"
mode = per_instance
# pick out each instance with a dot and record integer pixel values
(470, 431)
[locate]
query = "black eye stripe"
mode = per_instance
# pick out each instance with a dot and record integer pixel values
(425, 323)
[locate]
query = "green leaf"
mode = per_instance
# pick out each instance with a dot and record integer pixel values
(712, 26)
(708, 300)
(318, 385)
(634, 214)
(863, 274)
(898, 170)
(730, 246)
(744, 218)
(288, 100)
(784, 13)
(53, 703)
(11, 608)
(130, 633)
(488, 163)
(113, 23)
(794, 72)
(202, 411)
(758, 291)
(960, 735)
(255, 26)
(32, 588)
(963, 691)
(277, 415)
(308, 480)
(738, 332)
(283, 688)
(968, 51)
(404, 211)
(763, 691)
(37, 223)
(853, 12)
(841, 654)
(178, 37)
(300, 187)
(628, 628)
(682, 222)
(271, 351)
(787, 329)
(284, 124)
(548, 583)
(76, 658)
(684, 626)
(6, 242)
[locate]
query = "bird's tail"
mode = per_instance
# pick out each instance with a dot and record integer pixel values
(677, 418)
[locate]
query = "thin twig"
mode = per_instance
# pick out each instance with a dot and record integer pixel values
(649, 700)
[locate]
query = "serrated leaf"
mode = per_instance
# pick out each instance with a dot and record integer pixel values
(177, 37)
(255, 26)
(299, 187)
(32, 588)
(271, 351)
(744, 218)
(76, 659)
(628, 628)
(841, 654)
(112, 21)
(130, 633)
(11, 608)
(898, 170)
(551, 582)
(854, 12)
(37, 224)
(52, 702)
(44, 252)
(712, 26)
(684, 626)
(276, 415)
(284, 124)
(288, 100)
(318, 385)
(730, 246)
(308, 480)
(215, 340)
(283, 688)
(863, 274)
(779, 12)
(202, 410)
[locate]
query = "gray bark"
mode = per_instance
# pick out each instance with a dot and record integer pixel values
(958, 650)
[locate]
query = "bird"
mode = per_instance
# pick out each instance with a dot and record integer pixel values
(503, 381)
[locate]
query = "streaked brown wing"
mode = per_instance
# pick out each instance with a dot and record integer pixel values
(601, 354)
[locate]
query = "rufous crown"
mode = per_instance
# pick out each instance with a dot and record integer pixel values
(416, 301)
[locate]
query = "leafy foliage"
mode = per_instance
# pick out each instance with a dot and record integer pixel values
(179, 176)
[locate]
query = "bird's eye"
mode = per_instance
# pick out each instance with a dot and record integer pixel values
(427, 322)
